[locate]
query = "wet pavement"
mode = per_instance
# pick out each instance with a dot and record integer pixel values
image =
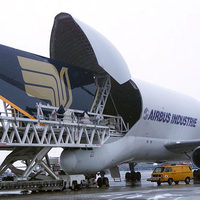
(118, 191)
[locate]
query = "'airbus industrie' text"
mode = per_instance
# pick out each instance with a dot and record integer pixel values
(167, 117)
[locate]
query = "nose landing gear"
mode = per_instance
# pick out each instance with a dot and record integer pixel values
(132, 176)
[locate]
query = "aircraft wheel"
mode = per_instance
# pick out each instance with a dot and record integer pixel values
(128, 176)
(133, 176)
(138, 176)
(106, 181)
(99, 182)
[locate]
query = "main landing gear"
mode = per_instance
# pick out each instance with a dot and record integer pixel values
(103, 181)
(132, 176)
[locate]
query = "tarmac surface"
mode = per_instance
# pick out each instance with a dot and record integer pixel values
(117, 191)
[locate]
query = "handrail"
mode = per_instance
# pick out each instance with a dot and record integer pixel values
(114, 122)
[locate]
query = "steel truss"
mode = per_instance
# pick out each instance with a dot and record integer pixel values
(34, 176)
(31, 139)
(43, 133)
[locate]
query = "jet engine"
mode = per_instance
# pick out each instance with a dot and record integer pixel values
(196, 157)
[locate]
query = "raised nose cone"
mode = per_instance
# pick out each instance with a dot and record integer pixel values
(68, 161)
(77, 44)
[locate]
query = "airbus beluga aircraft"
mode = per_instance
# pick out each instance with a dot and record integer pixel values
(163, 125)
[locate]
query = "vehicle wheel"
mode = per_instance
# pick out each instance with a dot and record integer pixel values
(176, 182)
(138, 176)
(170, 181)
(99, 182)
(106, 181)
(74, 185)
(159, 183)
(187, 180)
(79, 186)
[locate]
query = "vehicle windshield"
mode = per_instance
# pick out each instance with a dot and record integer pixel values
(158, 169)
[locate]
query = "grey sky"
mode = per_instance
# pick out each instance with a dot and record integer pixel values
(159, 39)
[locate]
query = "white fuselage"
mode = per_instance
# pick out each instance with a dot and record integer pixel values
(167, 116)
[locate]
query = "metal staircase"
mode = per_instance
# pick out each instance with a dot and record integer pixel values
(104, 86)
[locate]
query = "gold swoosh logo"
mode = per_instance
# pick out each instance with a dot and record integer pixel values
(44, 82)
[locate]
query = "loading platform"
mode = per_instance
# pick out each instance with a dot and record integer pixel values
(30, 139)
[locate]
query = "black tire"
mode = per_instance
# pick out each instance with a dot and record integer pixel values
(170, 181)
(133, 176)
(176, 182)
(79, 186)
(106, 181)
(128, 176)
(138, 176)
(159, 183)
(99, 182)
(187, 180)
(74, 185)
(195, 173)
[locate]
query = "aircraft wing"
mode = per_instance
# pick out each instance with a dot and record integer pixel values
(182, 146)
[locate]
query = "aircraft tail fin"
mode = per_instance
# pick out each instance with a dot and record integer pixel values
(27, 79)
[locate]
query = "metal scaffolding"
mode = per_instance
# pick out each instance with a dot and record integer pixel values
(45, 133)
(31, 139)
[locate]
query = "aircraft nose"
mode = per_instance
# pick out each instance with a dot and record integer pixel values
(68, 161)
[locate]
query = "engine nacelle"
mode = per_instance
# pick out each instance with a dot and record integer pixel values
(196, 157)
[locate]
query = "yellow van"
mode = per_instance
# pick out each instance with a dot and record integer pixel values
(171, 173)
